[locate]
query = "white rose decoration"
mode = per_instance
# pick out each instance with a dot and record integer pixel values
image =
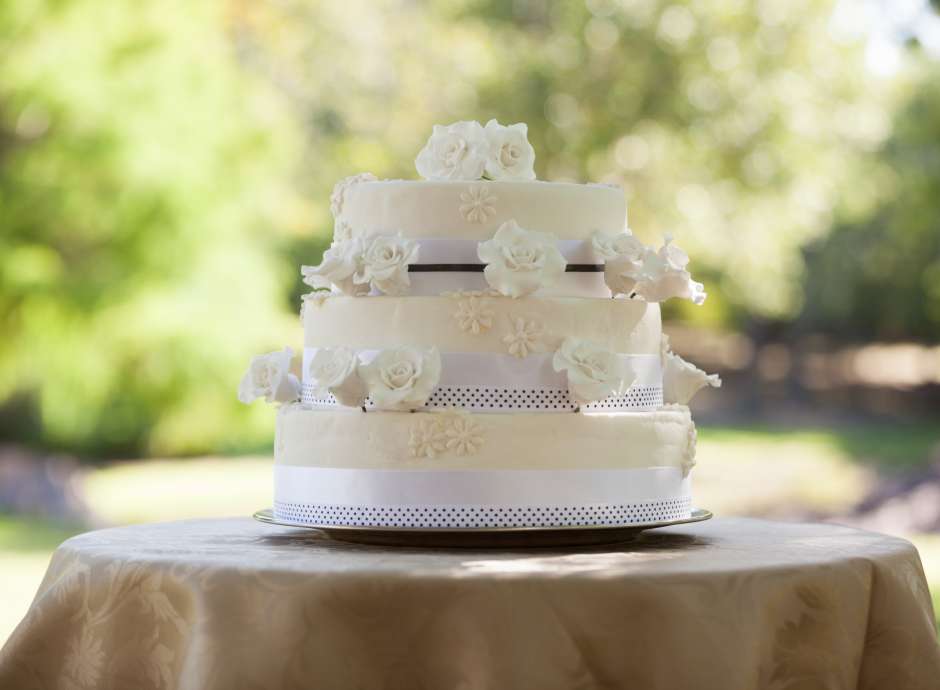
(664, 275)
(403, 378)
(454, 152)
(510, 156)
(681, 379)
(594, 373)
(638, 270)
(519, 261)
(338, 268)
(269, 377)
(383, 265)
(610, 246)
(335, 370)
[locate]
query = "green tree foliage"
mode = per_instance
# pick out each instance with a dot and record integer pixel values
(878, 276)
(141, 183)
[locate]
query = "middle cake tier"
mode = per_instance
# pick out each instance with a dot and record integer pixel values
(497, 354)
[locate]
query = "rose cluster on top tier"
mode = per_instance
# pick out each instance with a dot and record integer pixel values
(470, 151)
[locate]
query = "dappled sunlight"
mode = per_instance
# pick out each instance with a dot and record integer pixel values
(610, 562)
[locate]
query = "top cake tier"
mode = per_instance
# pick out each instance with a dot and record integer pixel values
(480, 221)
(475, 210)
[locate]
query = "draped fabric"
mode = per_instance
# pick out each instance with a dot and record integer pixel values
(727, 604)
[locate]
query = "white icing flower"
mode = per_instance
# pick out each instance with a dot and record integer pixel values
(269, 377)
(510, 156)
(338, 268)
(655, 276)
(334, 370)
(520, 261)
(523, 337)
(477, 204)
(474, 315)
(426, 438)
(664, 275)
(681, 379)
(403, 378)
(383, 264)
(338, 197)
(594, 373)
(463, 435)
(607, 246)
(454, 152)
(623, 254)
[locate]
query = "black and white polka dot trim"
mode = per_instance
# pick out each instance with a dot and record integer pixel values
(483, 399)
(461, 516)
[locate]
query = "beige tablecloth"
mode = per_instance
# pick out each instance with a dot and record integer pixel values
(233, 604)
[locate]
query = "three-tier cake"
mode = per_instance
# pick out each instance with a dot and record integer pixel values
(483, 350)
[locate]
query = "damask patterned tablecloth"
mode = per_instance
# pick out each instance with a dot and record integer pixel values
(726, 604)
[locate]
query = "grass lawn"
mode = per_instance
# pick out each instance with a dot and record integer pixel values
(753, 471)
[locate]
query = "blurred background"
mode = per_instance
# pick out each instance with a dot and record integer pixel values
(165, 168)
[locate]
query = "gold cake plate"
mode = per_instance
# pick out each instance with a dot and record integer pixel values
(485, 537)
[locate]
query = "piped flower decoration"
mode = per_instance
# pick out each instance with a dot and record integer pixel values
(269, 377)
(524, 337)
(445, 431)
(519, 261)
(474, 315)
(402, 378)
(608, 247)
(338, 197)
(337, 269)
(477, 204)
(426, 437)
(594, 373)
(639, 271)
(357, 266)
(454, 152)
(335, 370)
(384, 263)
(510, 156)
(462, 435)
(469, 151)
(682, 379)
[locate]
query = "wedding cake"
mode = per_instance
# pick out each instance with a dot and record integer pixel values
(483, 349)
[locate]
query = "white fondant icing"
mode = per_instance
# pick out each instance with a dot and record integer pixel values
(422, 209)
(348, 438)
(620, 325)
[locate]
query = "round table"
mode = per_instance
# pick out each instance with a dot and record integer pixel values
(231, 603)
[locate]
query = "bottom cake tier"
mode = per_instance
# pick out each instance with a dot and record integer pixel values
(454, 469)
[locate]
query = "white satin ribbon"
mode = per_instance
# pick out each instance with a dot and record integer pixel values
(479, 498)
(487, 381)
(435, 283)
(457, 251)
(345, 486)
